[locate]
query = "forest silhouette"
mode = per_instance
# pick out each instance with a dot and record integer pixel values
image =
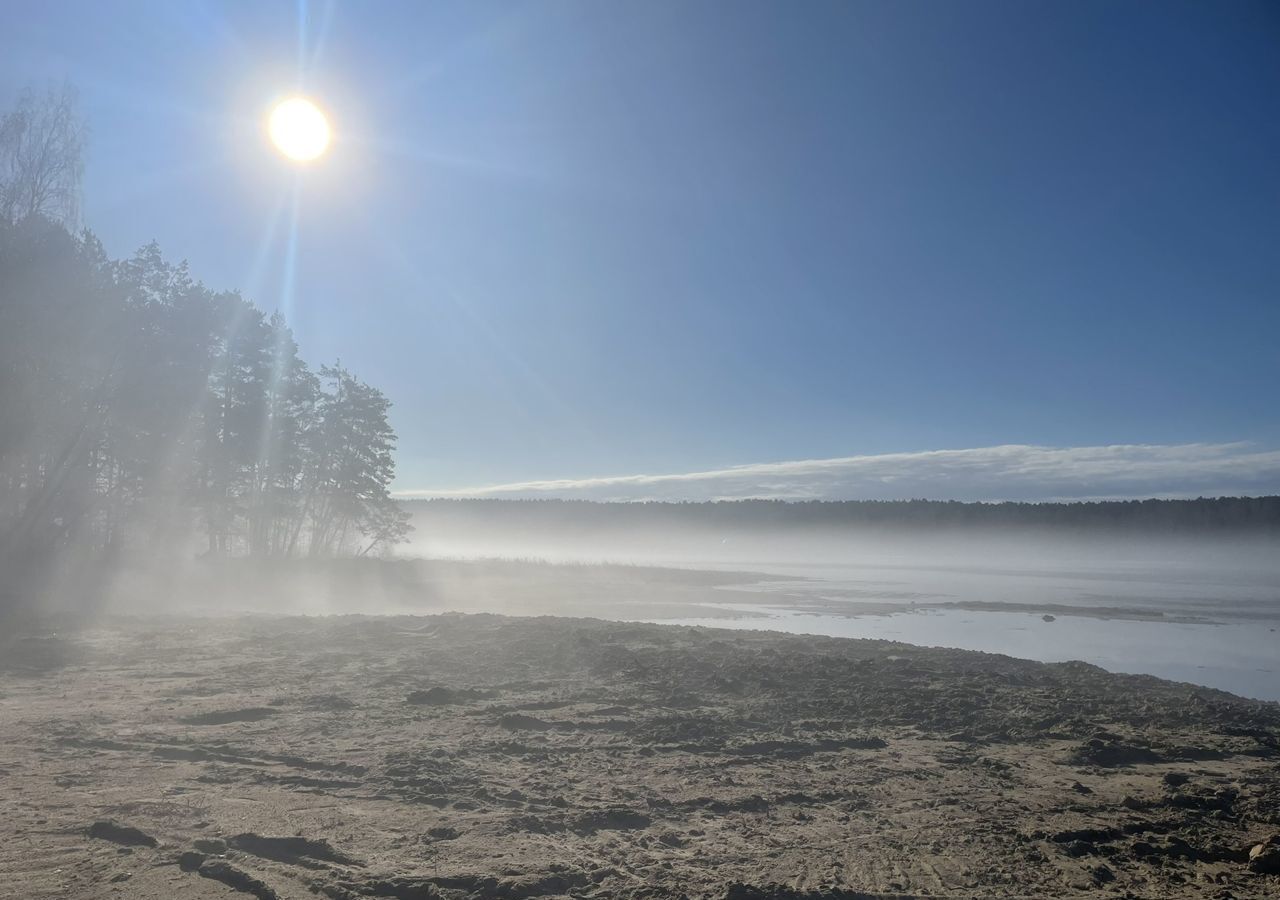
(1258, 515)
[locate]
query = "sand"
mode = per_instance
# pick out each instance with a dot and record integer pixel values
(477, 756)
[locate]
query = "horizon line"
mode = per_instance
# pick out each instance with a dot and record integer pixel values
(1022, 473)
(1055, 501)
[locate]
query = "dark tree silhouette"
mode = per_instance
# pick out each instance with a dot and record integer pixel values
(139, 409)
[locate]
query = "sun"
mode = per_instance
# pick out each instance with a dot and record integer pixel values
(299, 129)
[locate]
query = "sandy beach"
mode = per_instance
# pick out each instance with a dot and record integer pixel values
(481, 756)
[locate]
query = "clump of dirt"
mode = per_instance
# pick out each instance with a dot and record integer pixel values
(299, 850)
(1264, 858)
(521, 722)
(396, 887)
(106, 830)
(612, 820)
(443, 696)
(237, 879)
(1111, 751)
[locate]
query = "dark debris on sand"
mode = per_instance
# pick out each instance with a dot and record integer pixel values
(465, 757)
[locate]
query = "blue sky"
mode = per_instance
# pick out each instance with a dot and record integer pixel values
(579, 240)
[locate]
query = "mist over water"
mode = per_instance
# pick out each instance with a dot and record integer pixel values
(1190, 607)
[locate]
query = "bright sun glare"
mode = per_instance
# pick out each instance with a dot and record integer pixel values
(299, 129)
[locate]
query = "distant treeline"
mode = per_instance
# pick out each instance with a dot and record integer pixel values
(1206, 514)
(142, 410)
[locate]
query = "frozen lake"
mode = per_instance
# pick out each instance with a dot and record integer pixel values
(1241, 658)
(1203, 610)
(1186, 620)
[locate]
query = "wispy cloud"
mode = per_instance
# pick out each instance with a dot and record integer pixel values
(1008, 472)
